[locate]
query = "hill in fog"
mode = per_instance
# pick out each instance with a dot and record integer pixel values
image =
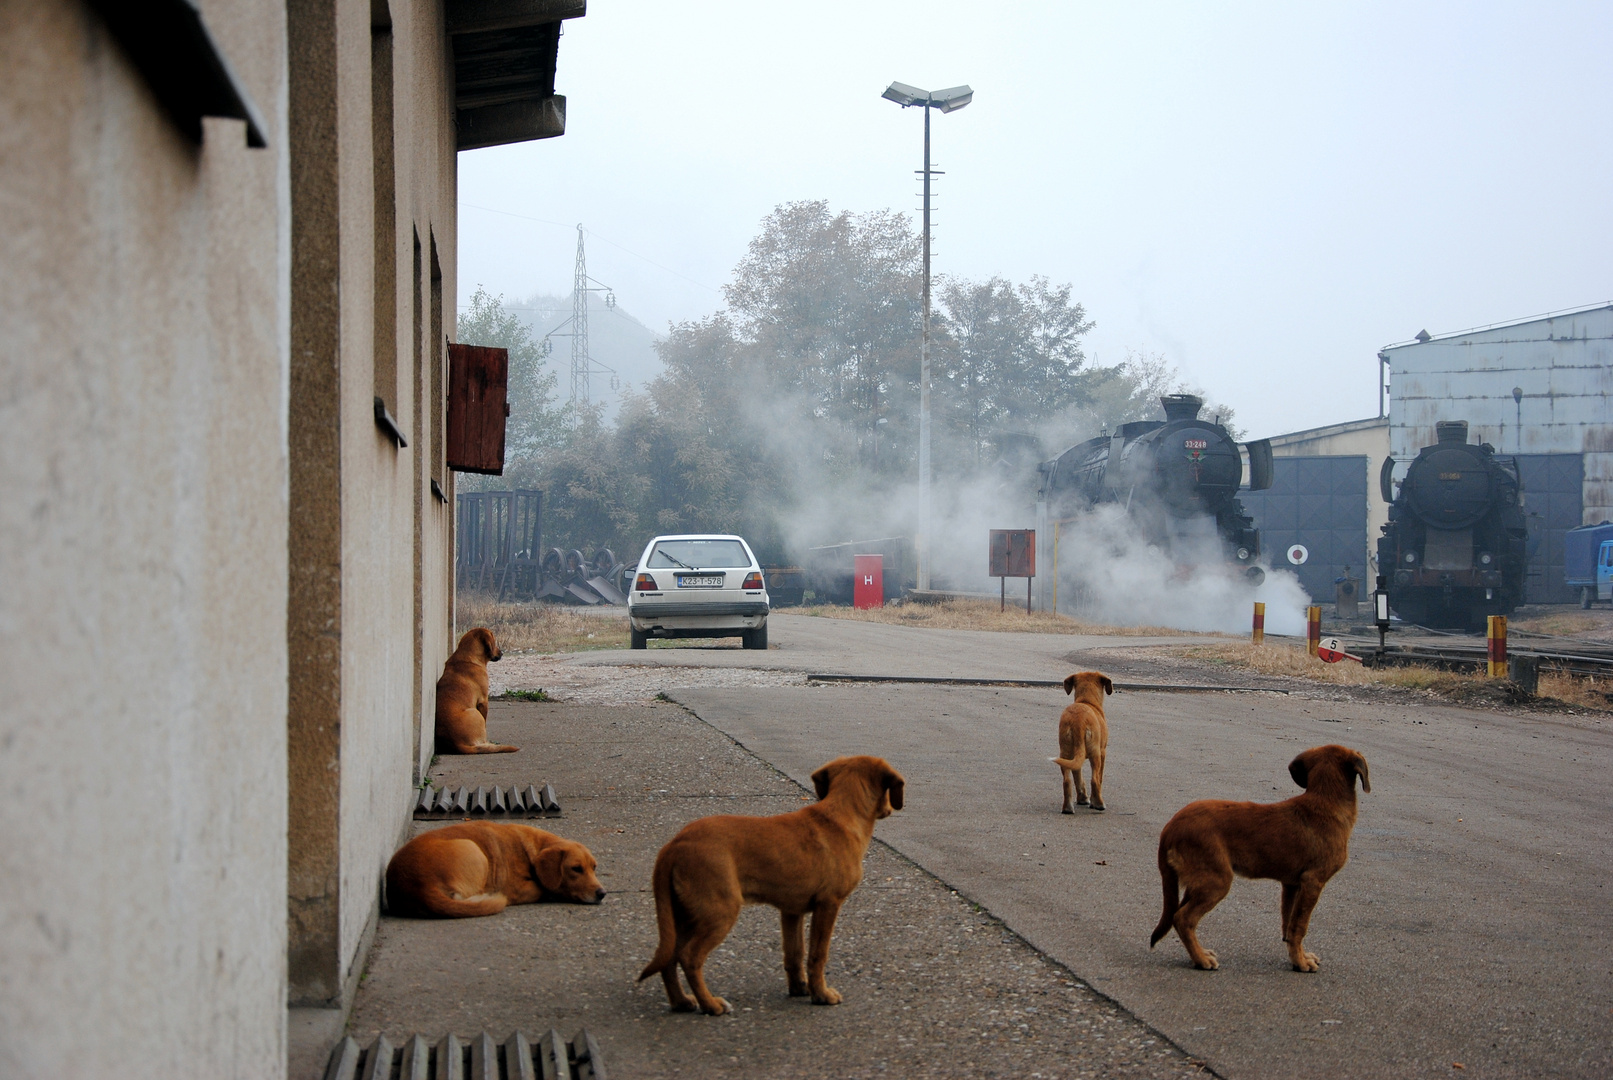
(616, 341)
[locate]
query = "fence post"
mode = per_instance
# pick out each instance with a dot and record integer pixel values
(1259, 634)
(1498, 646)
(1313, 629)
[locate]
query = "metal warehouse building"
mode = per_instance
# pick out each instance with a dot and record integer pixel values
(1540, 389)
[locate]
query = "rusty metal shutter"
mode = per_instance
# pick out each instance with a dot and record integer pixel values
(478, 378)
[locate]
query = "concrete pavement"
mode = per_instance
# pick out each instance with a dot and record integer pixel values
(1472, 924)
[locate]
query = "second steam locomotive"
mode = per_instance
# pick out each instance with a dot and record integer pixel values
(1178, 479)
(1454, 550)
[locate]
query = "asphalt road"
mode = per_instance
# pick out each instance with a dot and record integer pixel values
(1472, 925)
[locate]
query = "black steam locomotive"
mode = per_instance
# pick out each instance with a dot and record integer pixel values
(1454, 550)
(1178, 479)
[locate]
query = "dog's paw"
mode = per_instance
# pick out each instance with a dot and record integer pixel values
(799, 989)
(1208, 962)
(686, 1005)
(1082, 801)
(1098, 806)
(830, 996)
(1307, 961)
(1066, 810)
(717, 1007)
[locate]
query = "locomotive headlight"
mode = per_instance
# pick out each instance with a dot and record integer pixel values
(1485, 558)
(1243, 554)
(1411, 557)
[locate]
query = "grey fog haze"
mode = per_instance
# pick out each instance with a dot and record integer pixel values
(1265, 194)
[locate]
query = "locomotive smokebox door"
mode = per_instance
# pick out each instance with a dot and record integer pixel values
(1013, 553)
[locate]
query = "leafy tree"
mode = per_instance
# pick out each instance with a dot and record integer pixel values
(536, 423)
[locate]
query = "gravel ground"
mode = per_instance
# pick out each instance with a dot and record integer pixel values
(933, 985)
(620, 684)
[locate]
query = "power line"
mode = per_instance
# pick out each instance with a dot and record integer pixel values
(597, 236)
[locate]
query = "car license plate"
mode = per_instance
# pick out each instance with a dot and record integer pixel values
(700, 581)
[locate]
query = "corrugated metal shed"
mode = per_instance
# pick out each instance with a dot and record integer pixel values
(1536, 386)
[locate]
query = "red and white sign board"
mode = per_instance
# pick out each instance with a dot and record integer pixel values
(1332, 651)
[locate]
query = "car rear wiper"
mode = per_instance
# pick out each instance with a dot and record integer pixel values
(675, 559)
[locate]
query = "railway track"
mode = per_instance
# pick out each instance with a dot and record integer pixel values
(1572, 656)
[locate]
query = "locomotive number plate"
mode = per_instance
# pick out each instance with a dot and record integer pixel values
(1194, 444)
(699, 581)
(1450, 476)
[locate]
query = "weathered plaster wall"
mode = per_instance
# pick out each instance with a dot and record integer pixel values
(368, 617)
(143, 382)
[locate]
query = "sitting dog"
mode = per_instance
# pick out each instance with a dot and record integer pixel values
(806, 861)
(1301, 842)
(462, 697)
(1084, 735)
(478, 868)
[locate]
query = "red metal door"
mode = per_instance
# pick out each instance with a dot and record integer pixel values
(478, 378)
(868, 586)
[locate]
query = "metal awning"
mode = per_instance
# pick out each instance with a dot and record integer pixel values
(504, 67)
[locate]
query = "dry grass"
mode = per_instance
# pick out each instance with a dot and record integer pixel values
(981, 615)
(1571, 690)
(1590, 625)
(1292, 661)
(541, 628)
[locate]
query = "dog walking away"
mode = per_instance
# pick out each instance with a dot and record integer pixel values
(1084, 736)
(462, 697)
(479, 868)
(805, 862)
(1301, 842)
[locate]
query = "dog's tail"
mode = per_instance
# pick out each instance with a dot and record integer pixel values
(1066, 763)
(665, 922)
(1168, 882)
(443, 904)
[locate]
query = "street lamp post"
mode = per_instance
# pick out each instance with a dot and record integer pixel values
(950, 100)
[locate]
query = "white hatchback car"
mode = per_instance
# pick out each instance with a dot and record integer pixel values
(698, 586)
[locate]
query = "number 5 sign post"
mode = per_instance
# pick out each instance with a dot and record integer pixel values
(1013, 554)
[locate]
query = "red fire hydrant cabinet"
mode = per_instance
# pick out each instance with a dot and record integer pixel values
(868, 584)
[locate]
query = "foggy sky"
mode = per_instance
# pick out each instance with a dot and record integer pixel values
(1265, 194)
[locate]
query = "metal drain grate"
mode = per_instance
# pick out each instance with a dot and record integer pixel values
(530, 801)
(478, 1058)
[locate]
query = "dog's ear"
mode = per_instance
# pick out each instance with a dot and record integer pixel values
(1300, 770)
(1108, 684)
(1358, 764)
(549, 867)
(1069, 683)
(489, 643)
(820, 781)
(896, 785)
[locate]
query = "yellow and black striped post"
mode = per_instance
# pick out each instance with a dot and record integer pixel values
(1498, 646)
(1313, 629)
(1259, 634)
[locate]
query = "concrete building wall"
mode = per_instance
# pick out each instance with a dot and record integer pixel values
(143, 384)
(1562, 366)
(373, 216)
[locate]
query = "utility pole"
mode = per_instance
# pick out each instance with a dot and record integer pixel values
(579, 330)
(949, 100)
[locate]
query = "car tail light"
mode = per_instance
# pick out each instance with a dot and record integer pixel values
(645, 583)
(753, 580)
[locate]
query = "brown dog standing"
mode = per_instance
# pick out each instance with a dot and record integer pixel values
(462, 697)
(477, 868)
(806, 861)
(1084, 735)
(1301, 842)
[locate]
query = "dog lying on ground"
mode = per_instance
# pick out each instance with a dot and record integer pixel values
(806, 861)
(1301, 842)
(478, 868)
(462, 697)
(1083, 736)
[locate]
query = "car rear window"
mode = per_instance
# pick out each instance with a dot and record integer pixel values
(699, 554)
